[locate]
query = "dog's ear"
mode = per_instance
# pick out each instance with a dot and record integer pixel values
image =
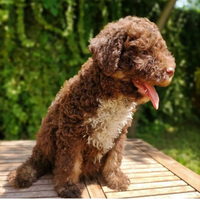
(106, 48)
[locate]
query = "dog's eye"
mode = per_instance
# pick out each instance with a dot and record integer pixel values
(144, 52)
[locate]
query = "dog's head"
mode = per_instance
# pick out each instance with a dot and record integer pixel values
(133, 50)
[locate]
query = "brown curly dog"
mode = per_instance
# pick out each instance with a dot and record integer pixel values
(86, 125)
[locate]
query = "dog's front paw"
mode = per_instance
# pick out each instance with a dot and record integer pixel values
(69, 191)
(118, 182)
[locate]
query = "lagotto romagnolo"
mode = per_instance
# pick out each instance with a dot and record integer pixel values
(85, 127)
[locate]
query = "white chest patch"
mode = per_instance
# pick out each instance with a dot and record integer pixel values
(112, 116)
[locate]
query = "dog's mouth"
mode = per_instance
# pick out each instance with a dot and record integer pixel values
(149, 91)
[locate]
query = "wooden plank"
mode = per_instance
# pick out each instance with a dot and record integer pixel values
(4, 176)
(37, 188)
(15, 160)
(37, 194)
(13, 155)
(9, 166)
(149, 192)
(18, 143)
(143, 180)
(139, 157)
(153, 179)
(30, 189)
(149, 177)
(94, 189)
(38, 182)
(85, 193)
(185, 195)
(134, 180)
(142, 186)
(34, 191)
(138, 160)
(144, 170)
(133, 163)
(150, 174)
(134, 152)
(19, 150)
(13, 149)
(184, 173)
(141, 166)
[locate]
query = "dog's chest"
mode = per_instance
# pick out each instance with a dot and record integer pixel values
(112, 116)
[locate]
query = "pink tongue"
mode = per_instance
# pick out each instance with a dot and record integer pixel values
(153, 95)
(150, 91)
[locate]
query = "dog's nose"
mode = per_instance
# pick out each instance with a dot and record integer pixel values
(170, 71)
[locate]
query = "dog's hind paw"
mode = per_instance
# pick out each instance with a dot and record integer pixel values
(19, 179)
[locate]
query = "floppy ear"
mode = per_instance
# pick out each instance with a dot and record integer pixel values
(106, 47)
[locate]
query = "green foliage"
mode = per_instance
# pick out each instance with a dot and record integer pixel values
(34, 64)
(197, 80)
(45, 42)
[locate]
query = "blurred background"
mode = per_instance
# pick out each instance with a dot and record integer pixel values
(45, 42)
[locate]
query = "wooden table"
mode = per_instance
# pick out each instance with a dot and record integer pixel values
(152, 173)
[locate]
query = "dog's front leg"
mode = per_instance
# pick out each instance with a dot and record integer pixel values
(112, 173)
(67, 173)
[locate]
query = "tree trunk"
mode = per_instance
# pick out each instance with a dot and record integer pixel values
(165, 14)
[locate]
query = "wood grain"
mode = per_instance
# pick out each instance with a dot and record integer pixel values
(152, 175)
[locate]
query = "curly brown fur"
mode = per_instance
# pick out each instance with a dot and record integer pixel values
(86, 125)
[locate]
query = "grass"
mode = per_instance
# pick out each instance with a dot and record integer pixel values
(181, 142)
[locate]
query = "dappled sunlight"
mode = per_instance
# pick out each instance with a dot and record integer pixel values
(179, 142)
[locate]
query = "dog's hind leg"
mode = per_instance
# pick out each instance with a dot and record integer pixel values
(27, 173)
(41, 160)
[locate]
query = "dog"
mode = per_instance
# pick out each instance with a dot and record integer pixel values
(85, 127)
